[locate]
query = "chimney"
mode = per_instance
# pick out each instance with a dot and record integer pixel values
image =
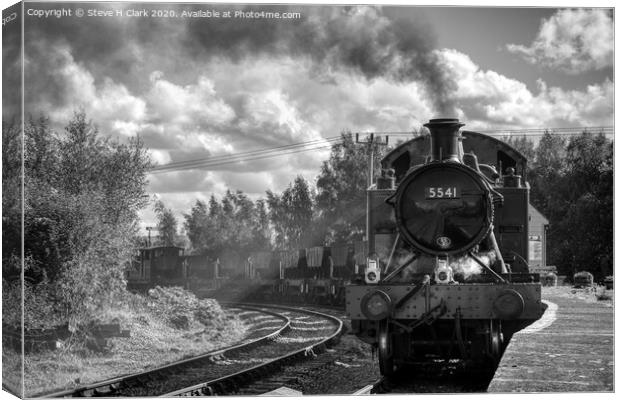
(445, 139)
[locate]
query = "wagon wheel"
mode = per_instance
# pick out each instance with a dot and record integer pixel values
(341, 297)
(386, 356)
(336, 298)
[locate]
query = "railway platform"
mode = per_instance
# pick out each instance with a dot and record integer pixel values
(570, 349)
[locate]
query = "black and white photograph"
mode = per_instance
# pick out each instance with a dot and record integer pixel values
(292, 199)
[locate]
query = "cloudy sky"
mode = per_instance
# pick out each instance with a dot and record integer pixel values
(213, 88)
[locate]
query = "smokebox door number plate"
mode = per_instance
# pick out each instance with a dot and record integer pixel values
(442, 192)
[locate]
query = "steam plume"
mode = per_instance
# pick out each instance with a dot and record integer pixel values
(467, 267)
(361, 39)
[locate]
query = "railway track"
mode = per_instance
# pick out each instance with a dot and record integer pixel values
(270, 358)
(435, 377)
(430, 379)
(266, 325)
(310, 335)
(300, 335)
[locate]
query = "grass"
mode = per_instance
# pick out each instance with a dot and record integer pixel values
(590, 295)
(603, 295)
(154, 342)
(11, 370)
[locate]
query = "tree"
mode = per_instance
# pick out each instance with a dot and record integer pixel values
(584, 235)
(236, 223)
(195, 225)
(547, 167)
(523, 144)
(291, 215)
(166, 224)
(207, 227)
(11, 199)
(261, 230)
(93, 162)
(341, 190)
(572, 184)
(62, 171)
(82, 194)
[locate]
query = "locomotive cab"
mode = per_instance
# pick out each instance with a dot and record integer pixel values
(447, 270)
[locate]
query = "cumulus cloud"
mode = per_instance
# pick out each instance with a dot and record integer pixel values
(327, 104)
(208, 124)
(279, 101)
(492, 100)
(276, 102)
(64, 85)
(361, 40)
(159, 156)
(183, 181)
(573, 41)
(237, 92)
(194, 104)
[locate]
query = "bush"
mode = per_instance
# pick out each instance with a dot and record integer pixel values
(11, 304)
(181, 309)
(38, 302)
(88, 284)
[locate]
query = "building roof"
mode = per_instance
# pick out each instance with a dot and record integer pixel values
(161, 247)
(536, 215)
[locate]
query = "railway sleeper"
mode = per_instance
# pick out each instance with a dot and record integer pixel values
(104, 390)
(221, 387)
(283, 382)
(204, 391)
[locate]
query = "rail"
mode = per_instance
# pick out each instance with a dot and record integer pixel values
(232, 382)
(370, 389)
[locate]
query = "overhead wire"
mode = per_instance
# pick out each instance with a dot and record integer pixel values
(224, 161)
(534, 132)
(246, 154)
(324, 143)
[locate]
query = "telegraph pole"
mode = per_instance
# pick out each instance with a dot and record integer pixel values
(149, 229)
(370, 142)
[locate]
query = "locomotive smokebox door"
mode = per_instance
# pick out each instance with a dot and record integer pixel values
(443, 208)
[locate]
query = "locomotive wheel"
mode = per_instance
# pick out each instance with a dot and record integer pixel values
(494, 341)
(386, 354)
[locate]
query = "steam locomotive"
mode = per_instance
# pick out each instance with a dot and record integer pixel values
(447, 274)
